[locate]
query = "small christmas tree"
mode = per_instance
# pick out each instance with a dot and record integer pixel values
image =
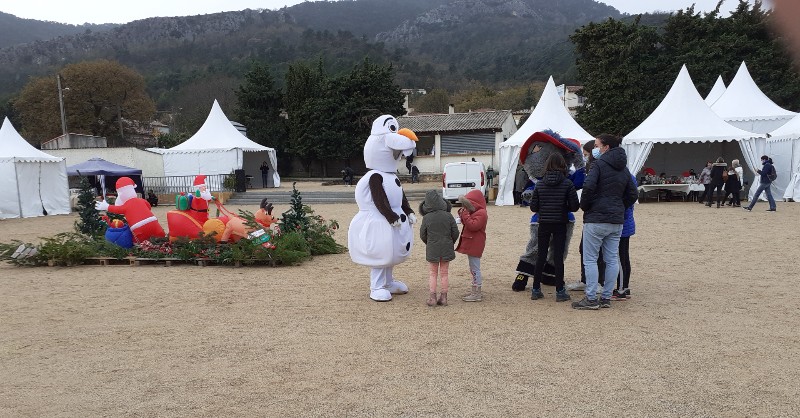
(89, 223)
(296, 218)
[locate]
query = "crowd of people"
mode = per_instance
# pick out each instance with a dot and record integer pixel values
(607, 199)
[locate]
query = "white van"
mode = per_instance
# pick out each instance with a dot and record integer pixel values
(460, 178)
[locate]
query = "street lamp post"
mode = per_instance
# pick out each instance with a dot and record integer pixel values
(61, 103)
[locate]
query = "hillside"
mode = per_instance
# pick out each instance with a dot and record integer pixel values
(15, 30)
(431, 43)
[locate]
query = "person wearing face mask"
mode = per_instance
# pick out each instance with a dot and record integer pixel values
(768, 175)
(607, 192)
(588, 148)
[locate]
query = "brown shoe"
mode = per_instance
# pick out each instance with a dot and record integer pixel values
(442, 299)
(431, 299)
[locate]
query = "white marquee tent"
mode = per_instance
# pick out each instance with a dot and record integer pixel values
(216, 148)
(32, 182)
(745, 106)
(784, 149)
(549, 113)
(716, 92)
(682, 120)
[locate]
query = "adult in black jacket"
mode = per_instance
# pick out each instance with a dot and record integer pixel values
(718, 176)
(607, 192)
(553, 197)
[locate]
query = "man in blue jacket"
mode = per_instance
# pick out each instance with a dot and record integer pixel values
(607, 192)
(768, 175)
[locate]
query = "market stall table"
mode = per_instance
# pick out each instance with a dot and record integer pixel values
(683, 188)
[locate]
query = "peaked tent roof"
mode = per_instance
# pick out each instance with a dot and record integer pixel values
(549, 113)
(716, 92)
(98, 166)
(217, 133)
(790, 129)
(743, 100)
(683, 116)
(14, 147)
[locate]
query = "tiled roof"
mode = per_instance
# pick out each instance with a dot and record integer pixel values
(472, 121)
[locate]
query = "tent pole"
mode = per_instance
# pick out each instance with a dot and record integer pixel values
(19, 197)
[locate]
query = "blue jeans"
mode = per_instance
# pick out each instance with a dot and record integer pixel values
(605, 236)
(763, 187)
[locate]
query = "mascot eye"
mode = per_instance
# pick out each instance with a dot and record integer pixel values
(393, 128)
(537, 148)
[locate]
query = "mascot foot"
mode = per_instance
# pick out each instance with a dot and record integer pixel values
(519, 283)
(397, 288)
(380, 295)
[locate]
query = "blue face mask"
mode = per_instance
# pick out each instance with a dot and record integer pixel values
(596, 153)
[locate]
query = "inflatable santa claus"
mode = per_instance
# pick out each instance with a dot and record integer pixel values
(198, 206)
(136, 211)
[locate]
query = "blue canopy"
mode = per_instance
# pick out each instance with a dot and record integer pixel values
(100, 167)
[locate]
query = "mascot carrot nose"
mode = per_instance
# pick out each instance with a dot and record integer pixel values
(408, 133)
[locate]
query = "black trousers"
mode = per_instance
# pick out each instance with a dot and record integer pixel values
(735, 199)
(625, 263)
(718, 188)
(558, 232)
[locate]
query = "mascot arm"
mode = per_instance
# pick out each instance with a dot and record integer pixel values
(380, 198)
(578, 177)
(407, 210)
(119, 210)
(405, 206)
(534, 201)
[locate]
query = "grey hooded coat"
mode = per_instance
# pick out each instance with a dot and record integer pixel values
(438, 230)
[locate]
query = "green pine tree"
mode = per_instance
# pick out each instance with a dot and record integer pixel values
(89, 223)
(296, 218)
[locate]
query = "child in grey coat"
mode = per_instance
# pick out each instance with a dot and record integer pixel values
(439, 232)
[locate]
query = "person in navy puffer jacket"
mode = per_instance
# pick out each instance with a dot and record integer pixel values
(553, 199)
(623, 292)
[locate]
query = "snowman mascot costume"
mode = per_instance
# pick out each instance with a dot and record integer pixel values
(381, 235)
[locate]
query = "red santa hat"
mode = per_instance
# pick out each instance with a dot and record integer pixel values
(200, 180)
(125, 182)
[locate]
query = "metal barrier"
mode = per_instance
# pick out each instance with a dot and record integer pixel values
(177, 184)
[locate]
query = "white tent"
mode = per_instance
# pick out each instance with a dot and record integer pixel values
(684, 118)
(716, 92)
(784, 149)
(549, 113)
(745, 106)
(32, 183)
(216, 148)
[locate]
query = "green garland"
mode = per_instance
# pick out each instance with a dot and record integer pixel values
(304, 235)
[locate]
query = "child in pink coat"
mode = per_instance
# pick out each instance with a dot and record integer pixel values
(473, 217)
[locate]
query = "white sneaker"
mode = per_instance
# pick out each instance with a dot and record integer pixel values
(575, 286)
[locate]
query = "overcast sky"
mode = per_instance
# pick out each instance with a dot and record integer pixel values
(105, 11)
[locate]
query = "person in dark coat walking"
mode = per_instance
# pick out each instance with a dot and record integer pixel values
(439, 232)
(607, 192)
(553, 198)
(767, 176)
